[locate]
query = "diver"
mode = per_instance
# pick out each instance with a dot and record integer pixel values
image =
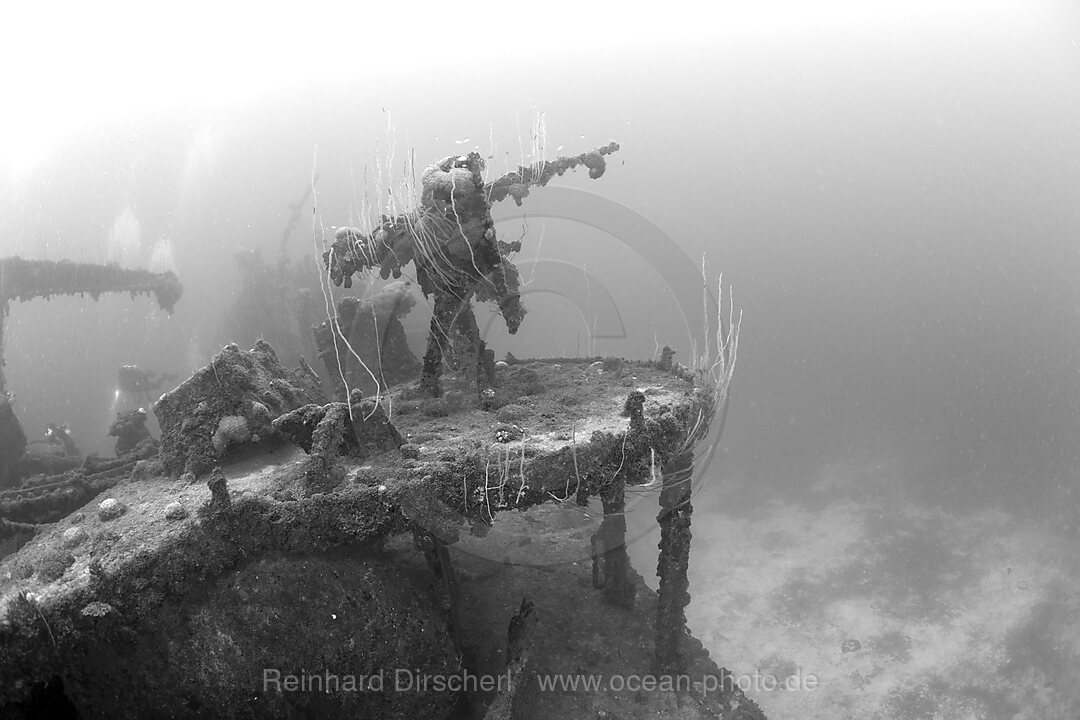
(137, 383)
(130, 430)
(60, 436)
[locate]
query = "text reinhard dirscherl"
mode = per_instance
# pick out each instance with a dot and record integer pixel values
(400, 680)
(409, 680)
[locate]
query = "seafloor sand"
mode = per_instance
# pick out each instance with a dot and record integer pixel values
(972, 615)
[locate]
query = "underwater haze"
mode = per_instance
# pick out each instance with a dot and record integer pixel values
(894, 505)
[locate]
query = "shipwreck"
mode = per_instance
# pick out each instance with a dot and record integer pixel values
(402, 537)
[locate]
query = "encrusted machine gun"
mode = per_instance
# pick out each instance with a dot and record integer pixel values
(449, 237)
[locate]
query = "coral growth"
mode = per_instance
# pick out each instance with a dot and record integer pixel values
(231, 430)
(47, 498)
(335, 430)
(53, 564)
(328, 433)
(232, 400)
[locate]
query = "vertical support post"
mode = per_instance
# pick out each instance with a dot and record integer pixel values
(674, 520)
(611, 563)
(437, 554)
(450, 584)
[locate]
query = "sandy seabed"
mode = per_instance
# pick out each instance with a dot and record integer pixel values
(873, 603)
